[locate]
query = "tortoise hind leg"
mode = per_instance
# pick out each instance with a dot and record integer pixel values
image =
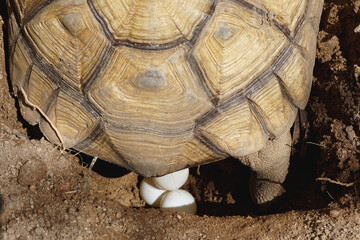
(270, 167)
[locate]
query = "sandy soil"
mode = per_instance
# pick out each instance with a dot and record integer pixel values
(48, 193)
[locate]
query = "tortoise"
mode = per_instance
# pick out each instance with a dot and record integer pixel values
(159, 86)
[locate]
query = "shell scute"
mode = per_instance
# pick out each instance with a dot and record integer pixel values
(66, 36)
(151, 22)
(235, 48)
(235, 129)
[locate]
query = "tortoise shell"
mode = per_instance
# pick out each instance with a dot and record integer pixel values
(157, 86)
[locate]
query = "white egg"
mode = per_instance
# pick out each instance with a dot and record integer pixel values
(178, 200)
(150, 192)
(172, 181)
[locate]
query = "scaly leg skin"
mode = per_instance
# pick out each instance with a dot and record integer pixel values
(270, 167)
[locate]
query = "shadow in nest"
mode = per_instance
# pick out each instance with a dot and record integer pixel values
(221, 188)
(103, 168)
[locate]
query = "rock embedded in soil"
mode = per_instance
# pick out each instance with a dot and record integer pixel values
(32, 172)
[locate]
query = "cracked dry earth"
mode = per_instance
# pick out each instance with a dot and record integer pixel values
(48, 193)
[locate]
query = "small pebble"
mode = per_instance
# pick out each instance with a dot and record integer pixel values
(334, 213)
(357, 29)
(12, 223)
(32, 172)
(32, 188)
(39, 230)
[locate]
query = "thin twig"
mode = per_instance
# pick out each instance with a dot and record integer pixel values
(70, 192)
(330, 195)
(93, 161)
(313, 143)
(337, 182)
(107, 229)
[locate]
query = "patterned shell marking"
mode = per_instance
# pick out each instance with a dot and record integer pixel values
(157, 86)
